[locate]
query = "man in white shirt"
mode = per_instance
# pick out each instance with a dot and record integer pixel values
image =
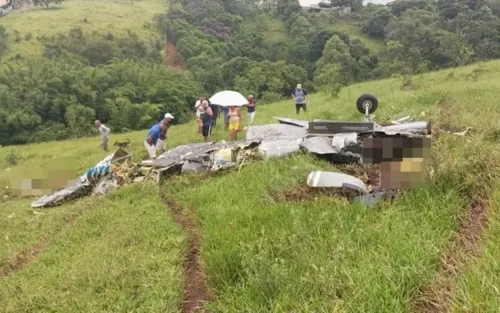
(104, 131)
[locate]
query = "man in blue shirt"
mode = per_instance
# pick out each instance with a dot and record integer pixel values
(152, 139)
(215, 112)
(299, 95)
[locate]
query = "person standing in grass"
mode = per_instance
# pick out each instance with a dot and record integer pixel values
(199, 110)
(216, 113)
(152, 139)
(235, 124)
(251, 109)
(225, 112)
(206, 117)
(299, 95)
(104, 131)
(160, 145)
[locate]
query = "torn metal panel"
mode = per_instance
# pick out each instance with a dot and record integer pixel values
(88, 181)
(319, 145)
(167, 172)
(376, 196)
(335, 180)
(275, 131)
(72, 192)
(331, 128)
(414, 128)
(342, 148)
(275, 148)
(197, 153)
(293, 122)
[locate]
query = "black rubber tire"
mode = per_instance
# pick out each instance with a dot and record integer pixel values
(367, 99)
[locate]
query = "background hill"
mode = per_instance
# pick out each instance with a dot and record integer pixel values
(26, 27)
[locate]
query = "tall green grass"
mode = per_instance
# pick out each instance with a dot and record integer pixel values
(107, 16)
(262, 255)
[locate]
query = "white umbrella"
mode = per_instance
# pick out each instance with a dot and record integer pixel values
(228, 98)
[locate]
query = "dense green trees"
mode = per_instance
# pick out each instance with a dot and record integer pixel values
(47, 100)
(424, 33)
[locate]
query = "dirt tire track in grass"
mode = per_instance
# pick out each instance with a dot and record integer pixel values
(436, 296)
(195, 291)
(28, 255)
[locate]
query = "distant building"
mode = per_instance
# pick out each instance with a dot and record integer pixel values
(322, 6)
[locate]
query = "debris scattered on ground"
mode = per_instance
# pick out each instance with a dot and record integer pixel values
(338, 142)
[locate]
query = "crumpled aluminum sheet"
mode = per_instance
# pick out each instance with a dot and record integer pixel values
(342, 148)
(420, 128)
(87, 183)
(335, 180)
(276, 148)
(278, 140)
(72, 192)
(196, 156)
(275, 131)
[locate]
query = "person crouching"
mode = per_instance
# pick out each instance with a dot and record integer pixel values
(152, 139)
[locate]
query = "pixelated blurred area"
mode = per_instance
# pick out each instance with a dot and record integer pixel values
(402, 160)
(28, 187)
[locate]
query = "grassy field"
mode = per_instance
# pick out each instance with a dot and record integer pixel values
(272, 29)
(102, 16)
(350, 27)
(260, 252)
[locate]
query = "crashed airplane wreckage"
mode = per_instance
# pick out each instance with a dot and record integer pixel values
(339, 142)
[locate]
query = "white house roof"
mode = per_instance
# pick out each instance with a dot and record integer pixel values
(306, 3)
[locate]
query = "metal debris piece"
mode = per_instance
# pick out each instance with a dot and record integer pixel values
(293, 122)
(330, 128)
(88, 182)
(342, 148)
(464, 133)
(335, 180)
(275, 148)
(58, 197)
(376, 196)
(415, 128)
(275, 131)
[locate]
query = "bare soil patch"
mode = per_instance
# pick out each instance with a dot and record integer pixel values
(436, 296)
(28, 255)
(23, 258)
(173, 59)
(195, 291)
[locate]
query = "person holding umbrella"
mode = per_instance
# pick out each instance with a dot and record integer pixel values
(231, 101)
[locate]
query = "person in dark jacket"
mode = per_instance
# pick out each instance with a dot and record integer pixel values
(251, 109)
(299, 95)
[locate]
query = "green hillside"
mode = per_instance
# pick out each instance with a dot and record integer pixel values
(261, 252)
(107, 16)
